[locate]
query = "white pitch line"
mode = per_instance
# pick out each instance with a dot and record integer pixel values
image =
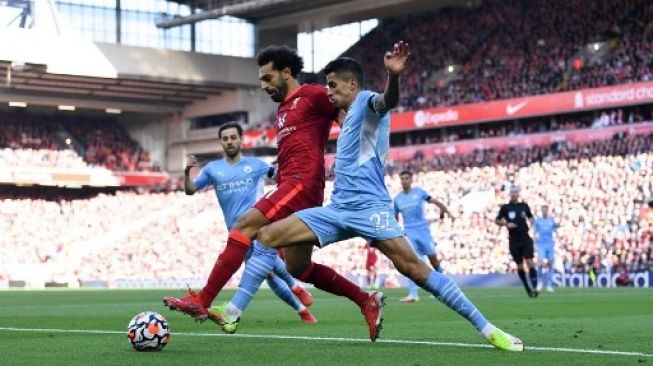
(338, 339)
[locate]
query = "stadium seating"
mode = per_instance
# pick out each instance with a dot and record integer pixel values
(511, 49)
(105, 143)
(597, 193)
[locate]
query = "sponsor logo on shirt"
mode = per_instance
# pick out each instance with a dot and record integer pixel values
(281, 120)
(294, 103)
(234, 186)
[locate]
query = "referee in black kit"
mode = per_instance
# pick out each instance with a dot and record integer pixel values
(514, 215)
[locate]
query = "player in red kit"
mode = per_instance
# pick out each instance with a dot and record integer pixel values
(371, 258)
(303, 122)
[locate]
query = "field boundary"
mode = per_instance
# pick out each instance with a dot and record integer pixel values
(338, 339)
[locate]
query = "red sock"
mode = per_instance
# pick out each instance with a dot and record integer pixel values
(227, 264)
(328, 280)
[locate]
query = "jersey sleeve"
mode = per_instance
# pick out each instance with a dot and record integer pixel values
(262, 168)
(425, 195)
(502, 213)
(528, 212)
(203, 179)
(323, 105)
(374, 102)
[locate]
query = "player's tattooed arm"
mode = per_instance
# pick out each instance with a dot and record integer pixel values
(395, 62)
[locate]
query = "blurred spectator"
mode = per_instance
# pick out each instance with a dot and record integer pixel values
(599, 201)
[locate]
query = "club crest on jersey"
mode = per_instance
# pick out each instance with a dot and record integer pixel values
(294, 103)
(414, 196)
(247, 169)
(281, 120)
(512, 215)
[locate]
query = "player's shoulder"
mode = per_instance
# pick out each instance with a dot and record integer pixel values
(312, 89)
(252, 160)
(214, 164)
(419, 189)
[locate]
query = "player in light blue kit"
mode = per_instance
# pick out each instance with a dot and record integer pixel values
(410, 204)
(544, 228)
(360, 203)
(238, 183)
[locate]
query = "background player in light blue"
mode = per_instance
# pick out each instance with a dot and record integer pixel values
(238, 183)
(360, 203)
(544, 228)
(409, 203)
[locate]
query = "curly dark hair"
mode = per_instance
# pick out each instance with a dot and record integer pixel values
(281, 57)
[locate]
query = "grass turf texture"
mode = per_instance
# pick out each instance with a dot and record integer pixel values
(582, 319)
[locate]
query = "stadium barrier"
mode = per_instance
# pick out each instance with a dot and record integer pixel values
(642, 279)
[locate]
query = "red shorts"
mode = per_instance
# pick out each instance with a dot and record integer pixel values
(288, 198)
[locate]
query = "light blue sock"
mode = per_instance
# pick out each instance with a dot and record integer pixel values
(540, 274)
(282, 290)
(549, 277)
(446, 290)
(281, 271)
(257, 268)
(412, 288)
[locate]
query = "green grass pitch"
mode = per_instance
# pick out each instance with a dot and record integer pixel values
(569, 327)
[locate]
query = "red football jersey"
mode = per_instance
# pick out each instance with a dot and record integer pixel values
(303, 123)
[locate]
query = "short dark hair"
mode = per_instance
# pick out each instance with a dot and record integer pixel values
(281, 57)
(346, 65)
(406, 172)
(230, 125)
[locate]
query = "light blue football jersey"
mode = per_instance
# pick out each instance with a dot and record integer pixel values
(411, 207)
(544, 229)
(360, 156)
(236, 186)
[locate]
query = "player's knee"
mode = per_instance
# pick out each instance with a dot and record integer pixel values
(267, 237)
(247, 225)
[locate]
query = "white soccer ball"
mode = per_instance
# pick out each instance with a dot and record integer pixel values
(148, 331)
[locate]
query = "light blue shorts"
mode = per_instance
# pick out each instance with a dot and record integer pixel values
(331, 224)
(545, 251)
(421, 239)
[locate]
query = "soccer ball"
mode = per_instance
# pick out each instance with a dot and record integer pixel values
(148, 331)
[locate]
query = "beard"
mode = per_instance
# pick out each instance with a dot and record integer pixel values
(279, 92)
(232, 153)
(276, 96)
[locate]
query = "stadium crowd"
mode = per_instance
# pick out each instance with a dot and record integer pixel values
(598, 192)
(28, 139)
(509, 49)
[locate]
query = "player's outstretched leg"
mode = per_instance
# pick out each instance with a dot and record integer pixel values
(297, 289)
(445, 290)
(196, 304)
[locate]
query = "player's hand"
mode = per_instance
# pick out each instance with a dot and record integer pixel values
(511, 225)
(191, 161)
(396, 61)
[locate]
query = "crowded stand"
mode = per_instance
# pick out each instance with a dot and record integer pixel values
(509, 49)
(27, 140)
(598, 192)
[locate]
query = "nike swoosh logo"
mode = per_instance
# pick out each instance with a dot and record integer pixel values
(512, 109)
